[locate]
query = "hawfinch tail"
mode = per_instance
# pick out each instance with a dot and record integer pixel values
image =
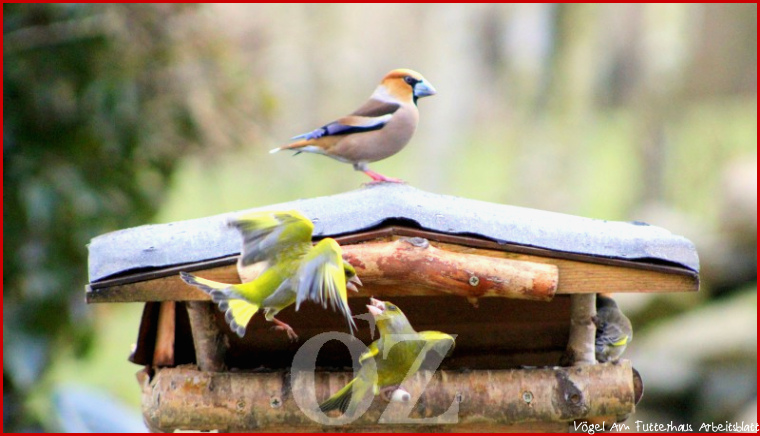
(378, 129)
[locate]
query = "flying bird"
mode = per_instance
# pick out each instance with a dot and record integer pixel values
(396, 353)
(378, 129)
(294, 271)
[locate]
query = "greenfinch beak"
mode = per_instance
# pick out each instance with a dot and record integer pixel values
(353, 282)
(376, 307)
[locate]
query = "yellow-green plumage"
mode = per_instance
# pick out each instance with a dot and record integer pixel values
(613, 330)
(295, 271)
(399, 351)
(341, 399)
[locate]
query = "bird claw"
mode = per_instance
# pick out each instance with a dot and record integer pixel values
(289, 330)
(386, 180)
(379, 178)
(286, 328)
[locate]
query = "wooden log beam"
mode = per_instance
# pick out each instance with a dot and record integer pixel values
(187, 399)
(399, 262)
(580, 345)
(210, 342)
(575, 277)
(415, 260)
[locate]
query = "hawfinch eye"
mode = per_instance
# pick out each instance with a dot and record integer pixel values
(410, 80)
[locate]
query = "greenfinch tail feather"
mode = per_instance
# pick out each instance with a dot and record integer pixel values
(237, 311)
(340, 400)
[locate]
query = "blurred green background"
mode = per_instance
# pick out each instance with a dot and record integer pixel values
(121, 115)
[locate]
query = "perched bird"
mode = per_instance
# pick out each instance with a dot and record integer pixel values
(613, 330)
(294, 271)
(394, 355)
(378, 129)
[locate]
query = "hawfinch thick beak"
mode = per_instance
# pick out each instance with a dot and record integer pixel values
(423, 89)
(376, 307)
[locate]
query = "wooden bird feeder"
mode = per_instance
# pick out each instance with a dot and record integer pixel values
(517, 286)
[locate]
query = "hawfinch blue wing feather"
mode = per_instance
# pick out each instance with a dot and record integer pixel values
(346, 125)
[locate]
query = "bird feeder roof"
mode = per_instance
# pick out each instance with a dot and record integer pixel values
(164, 245)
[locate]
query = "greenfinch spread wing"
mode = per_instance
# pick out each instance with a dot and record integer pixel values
(321, 278)
(295, 271)
(266, 235)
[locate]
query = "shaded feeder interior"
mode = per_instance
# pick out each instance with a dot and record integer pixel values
(499, 333)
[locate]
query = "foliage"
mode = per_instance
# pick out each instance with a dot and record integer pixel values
(97, 116)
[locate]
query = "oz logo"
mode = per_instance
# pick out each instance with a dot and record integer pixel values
(373, 371)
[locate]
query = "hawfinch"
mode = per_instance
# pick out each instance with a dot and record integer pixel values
(378, 129)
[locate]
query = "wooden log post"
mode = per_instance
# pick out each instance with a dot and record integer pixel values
(413, 260)
(210, 343)
(163, 353)
(485, 399)
(581, 343)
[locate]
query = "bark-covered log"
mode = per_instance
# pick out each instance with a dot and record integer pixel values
(414, 260)
(187, 399)
(580, 345)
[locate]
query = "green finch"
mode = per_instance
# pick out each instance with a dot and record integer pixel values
(397, 353)
(613, 330)
(294, 271)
